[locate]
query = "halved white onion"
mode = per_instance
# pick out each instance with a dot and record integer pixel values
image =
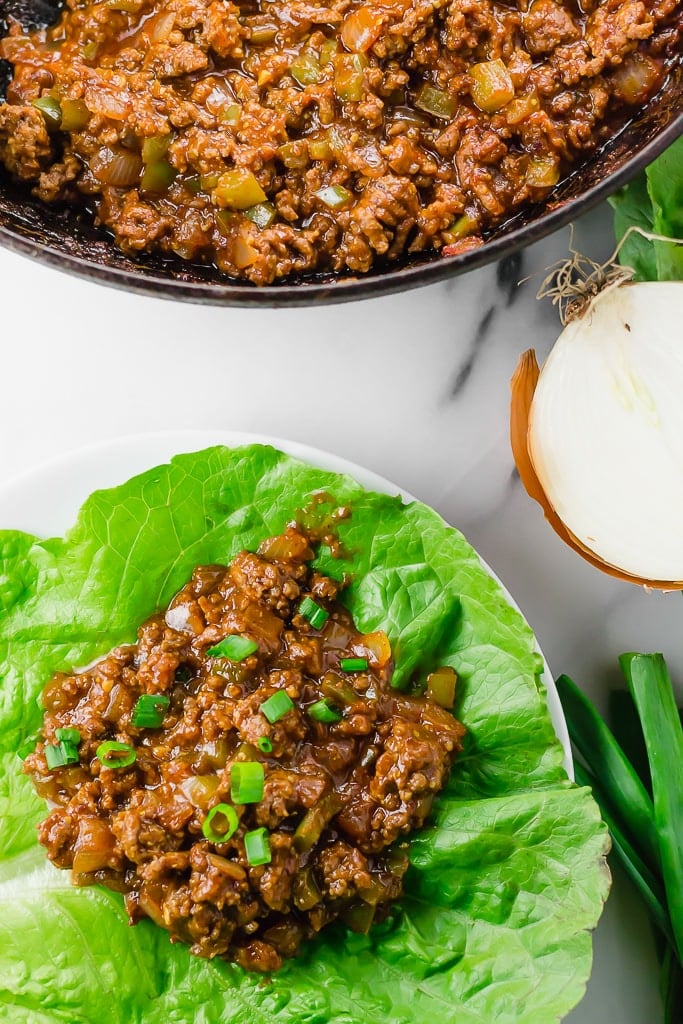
(598, 434)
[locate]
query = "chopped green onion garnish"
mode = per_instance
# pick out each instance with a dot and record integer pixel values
(323, 711)
(353, 664)
(50, 109)
(115, 755)
(277, 706)
(60, 754)
(264, 745)
(316, 615)
(257, 847)
(149, 710)
(220, 823)
(71, 736)
(246, 782)
(236, 648)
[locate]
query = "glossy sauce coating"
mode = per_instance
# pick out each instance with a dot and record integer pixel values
(272, 137)
(340, 794)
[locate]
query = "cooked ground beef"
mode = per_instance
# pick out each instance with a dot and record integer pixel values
(279, 136)
(344, 770)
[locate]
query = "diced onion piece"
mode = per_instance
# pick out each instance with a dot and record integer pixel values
(361, 28)
(636, 79)
(160, 27)
(597, 435)
(491, 86)
(231, 114)
(116, 107)
(334, 196)
(305, 69)
(441, 686)
(436, 102)
(542, 172)
(262, 215)
(523, 107)
(348, 76)
(243, 253)
(117, 167)
(200, 789)
(292, 545)
(237, 189)
(377, 646)
(75, 115)
(227, 867)
(95, 846)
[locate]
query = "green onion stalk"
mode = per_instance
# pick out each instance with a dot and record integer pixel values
(641, 799)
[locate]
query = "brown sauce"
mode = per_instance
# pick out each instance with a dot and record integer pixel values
(344, 770)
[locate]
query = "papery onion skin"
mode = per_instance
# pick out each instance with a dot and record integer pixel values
(608, 308)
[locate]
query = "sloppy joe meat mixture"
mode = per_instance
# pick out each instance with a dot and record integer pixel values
(244, 773)
(272, 137)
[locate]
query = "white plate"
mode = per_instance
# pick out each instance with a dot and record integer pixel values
(44, 501)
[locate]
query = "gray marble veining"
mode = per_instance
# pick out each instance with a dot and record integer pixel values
(415, 387)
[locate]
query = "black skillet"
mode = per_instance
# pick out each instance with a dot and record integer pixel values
(65, 238)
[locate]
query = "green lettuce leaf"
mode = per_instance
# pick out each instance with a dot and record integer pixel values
(506, 882)
(654, 202)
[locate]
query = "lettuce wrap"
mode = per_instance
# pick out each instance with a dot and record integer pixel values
(506, 881)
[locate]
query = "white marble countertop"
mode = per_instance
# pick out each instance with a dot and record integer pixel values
(413, 386)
